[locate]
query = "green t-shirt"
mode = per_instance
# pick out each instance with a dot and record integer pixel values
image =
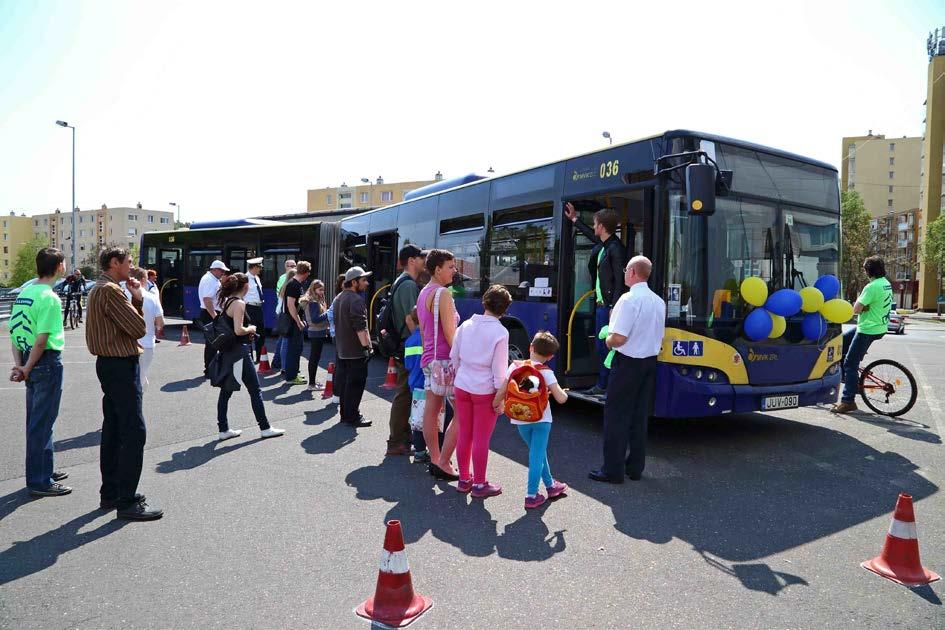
(37, 310)
(877, 295)
(280, 282)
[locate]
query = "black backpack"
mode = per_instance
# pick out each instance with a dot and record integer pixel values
(390, 343)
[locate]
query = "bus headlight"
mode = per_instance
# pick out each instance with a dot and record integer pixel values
(833, 369)
(699, 374)
(713, 376)
(712, 401)
(684, 371)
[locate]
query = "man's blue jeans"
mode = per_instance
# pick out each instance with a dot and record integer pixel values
(293, 353)
(278, 357)
(43, 392)
(855, 345)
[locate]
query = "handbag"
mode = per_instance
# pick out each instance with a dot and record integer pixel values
(218, 332)
(284, 325)
(418, 404)
(441, 370)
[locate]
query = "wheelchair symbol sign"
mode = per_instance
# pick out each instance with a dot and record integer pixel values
(687, 348)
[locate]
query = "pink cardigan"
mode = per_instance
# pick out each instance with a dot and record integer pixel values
(480, 355)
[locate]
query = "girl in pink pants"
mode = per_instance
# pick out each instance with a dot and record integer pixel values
(480, 356)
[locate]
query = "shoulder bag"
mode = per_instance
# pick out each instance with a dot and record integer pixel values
(218, 332)
(442, 371)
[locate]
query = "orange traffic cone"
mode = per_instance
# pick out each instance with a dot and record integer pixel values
(329, 383)
(391, 381)
(394, 603)
(899, 560)
(184, 337)
(264, 366)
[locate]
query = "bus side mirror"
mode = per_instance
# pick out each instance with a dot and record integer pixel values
(700, 189)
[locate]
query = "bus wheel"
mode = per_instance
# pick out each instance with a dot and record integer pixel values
(518, 344)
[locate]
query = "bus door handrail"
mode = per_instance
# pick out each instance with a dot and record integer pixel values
(371, 307)
(163, 286)
(577, 305)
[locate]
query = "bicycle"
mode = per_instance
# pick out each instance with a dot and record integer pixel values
(73, 312)
(887, 387)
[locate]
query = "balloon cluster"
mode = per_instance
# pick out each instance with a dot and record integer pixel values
(819, 303)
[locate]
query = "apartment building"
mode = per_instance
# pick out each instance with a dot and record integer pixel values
(895, 237)
(14, 232)
(932, 170)
(885, 171)
(96, 228)
(365, 195)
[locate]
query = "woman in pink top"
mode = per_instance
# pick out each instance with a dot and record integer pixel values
(436, 347)
(480, 356)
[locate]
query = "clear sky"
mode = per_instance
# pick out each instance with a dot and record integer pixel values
(237, 108)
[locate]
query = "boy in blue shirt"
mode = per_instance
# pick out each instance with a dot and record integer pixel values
(413, 349)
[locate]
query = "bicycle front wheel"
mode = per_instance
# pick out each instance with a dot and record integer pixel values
(888, 388)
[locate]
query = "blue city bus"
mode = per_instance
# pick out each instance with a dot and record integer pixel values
(777, 218)
(182, 257)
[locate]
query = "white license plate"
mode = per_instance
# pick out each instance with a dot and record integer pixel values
(769, 403)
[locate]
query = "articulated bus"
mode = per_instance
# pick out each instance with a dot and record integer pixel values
(181, 257)
(777, 218)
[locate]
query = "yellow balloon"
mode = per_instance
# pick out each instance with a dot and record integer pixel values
(778, 325)
(837, 311)
(812, 299)
(754, 290)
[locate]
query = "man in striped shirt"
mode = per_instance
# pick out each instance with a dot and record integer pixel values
(112, 332)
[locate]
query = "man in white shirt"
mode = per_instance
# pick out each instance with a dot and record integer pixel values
(207, 293)
(637, 325)
(254, 301)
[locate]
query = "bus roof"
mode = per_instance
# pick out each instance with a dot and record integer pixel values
(234, 225)
(674, 133)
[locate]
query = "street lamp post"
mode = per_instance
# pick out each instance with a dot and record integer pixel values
(176, 205)
(365, 180)
(75, 260)
(606, 134)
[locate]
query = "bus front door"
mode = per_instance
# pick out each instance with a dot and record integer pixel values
(382, 261)
(170, 282)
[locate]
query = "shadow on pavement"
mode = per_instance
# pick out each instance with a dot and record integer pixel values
(332, 439)
(200, 455)
(315, 418)
(184, 385)
(910, 429)
(758, 576)
(88, 440)
(925, 592)
(25, 558)
(454, 518)
(12, 501)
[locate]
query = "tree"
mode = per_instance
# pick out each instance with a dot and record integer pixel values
(855, 223)
(89, 265)
(24, 267)
(933, 249)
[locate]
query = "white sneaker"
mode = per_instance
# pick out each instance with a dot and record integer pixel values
(232, 433)
(271, 433)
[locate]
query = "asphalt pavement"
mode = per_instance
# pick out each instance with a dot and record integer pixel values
(741, 521)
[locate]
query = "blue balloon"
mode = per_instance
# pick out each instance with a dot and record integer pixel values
(829, 286)
(758, 324)
(786, 302)
(814, 326)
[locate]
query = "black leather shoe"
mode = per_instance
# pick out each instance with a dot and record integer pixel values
(140, 512)
(633, 476)
(600, 475)
(439, 473)
(59, 475)
(54, 490)
(111, 504)
(360, 422)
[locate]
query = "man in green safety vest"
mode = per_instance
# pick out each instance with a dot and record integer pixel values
(605, 267)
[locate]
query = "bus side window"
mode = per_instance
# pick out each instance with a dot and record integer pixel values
(522, 254)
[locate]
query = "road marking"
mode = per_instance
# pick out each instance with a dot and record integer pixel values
(930, 398)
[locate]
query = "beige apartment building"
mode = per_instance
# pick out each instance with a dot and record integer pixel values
(97, 228)
(885, 171)
(932, 170)
(14, 232)
(364, 195)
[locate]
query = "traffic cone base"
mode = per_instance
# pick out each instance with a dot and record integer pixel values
(394, 602)
(264, 366)
(899, 560)
(390, 382)
(329, 391)
(184, 337)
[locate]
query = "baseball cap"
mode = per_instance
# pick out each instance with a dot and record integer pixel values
(411, 251)
(356, 272)
(218, 264)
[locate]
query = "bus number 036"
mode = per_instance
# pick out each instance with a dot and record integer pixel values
(609, 169)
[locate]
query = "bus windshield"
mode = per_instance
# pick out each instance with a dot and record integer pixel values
(709, 257)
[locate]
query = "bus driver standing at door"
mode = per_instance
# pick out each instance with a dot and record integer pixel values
(605, 266)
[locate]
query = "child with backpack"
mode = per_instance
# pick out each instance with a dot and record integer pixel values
(413, 350)
(527, 392)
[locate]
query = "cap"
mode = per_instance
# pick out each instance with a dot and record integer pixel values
(356, 272)
(255, 261)
(218, 264)
(412, 251)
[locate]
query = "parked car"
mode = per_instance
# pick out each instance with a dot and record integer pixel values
(17, 290)
(897, 323)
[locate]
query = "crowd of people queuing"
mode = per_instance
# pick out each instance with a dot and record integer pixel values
(453, 380)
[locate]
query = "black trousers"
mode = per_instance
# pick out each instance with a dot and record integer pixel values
(208, 351)
(123, 430)
(626, 414)
(255, 314)
(350, 378)
(314, 356)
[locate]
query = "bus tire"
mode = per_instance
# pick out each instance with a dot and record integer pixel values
(518, 340)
